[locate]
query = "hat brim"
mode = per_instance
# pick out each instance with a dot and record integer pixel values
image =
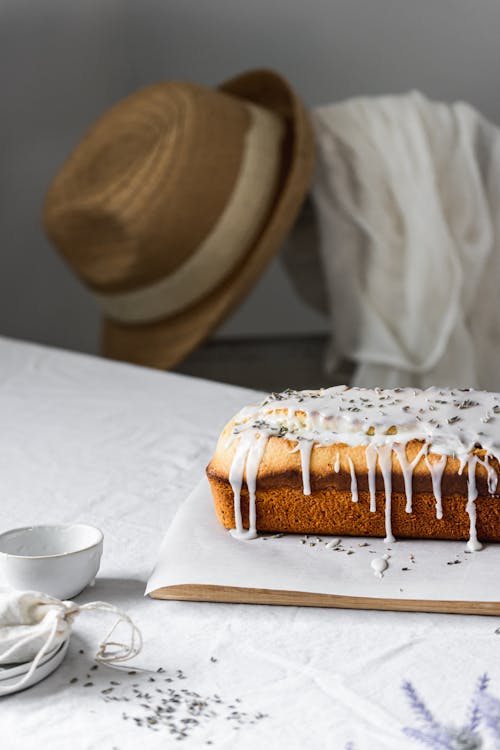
(165, 343)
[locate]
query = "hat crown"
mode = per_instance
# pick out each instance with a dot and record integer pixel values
(147, 184)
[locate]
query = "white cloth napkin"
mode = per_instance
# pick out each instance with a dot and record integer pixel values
(407, 193)
(27, 619)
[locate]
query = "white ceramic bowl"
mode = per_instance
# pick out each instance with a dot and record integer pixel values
(59, 560)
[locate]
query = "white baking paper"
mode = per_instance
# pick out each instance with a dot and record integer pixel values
(197, 550)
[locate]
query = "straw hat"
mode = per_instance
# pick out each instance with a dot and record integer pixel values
(173, 204)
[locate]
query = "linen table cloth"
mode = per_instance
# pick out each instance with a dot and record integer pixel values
(83, 439)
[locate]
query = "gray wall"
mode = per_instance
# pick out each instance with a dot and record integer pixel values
(63, 63)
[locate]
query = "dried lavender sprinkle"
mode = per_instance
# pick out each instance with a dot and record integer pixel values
(179, 712)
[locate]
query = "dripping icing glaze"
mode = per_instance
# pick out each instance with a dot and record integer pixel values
(448, 422)
(379, 565)
(436, 469)
(354, 481)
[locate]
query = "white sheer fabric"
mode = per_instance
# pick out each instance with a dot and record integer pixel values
(407, 193)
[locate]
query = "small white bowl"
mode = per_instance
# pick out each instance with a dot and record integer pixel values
(59, 560)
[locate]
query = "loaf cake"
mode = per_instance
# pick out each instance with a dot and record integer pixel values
(362, 462)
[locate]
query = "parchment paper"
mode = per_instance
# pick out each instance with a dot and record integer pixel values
(197, 550)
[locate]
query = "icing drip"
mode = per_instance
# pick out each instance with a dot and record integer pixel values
(371, 462)
(492, 479)
(247, 459)
(436, 469)
(336, 466)
(380, 565)
(305, 460)
(236, 480)
(407, 468)
(385, 463)
(354, 481)
(492, 475)
(252, 467)
(473, 544)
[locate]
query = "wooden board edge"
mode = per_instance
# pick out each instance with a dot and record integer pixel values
(236, 595)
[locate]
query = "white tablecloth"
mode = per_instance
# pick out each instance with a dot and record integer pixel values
(83, 439)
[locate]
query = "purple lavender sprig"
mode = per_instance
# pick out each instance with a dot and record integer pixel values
(441, 737)
(418, 706)
(489, 709)
(474, 710)
(433, 735)
(446, 738)
(433, 739)
(484, 709)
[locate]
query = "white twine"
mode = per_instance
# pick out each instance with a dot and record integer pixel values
(65, 612)
(124, 651)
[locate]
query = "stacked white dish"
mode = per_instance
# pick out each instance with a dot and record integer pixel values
(10, 675)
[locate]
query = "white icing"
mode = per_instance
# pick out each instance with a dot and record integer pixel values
(463, 463)
(332, 543)
(305, 460)
(379, 565)
(436, 469)
(407, 468)
(252, 467)
(491, 473)
(354, 481)
(371, 462)
(447, 422)
(246, 460)
(385, 463)
(473, 544)
(236, 480)
(492, 479)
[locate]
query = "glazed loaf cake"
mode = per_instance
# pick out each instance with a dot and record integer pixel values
(352, 461)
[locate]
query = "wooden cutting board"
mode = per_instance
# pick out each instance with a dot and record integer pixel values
(202, 593)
